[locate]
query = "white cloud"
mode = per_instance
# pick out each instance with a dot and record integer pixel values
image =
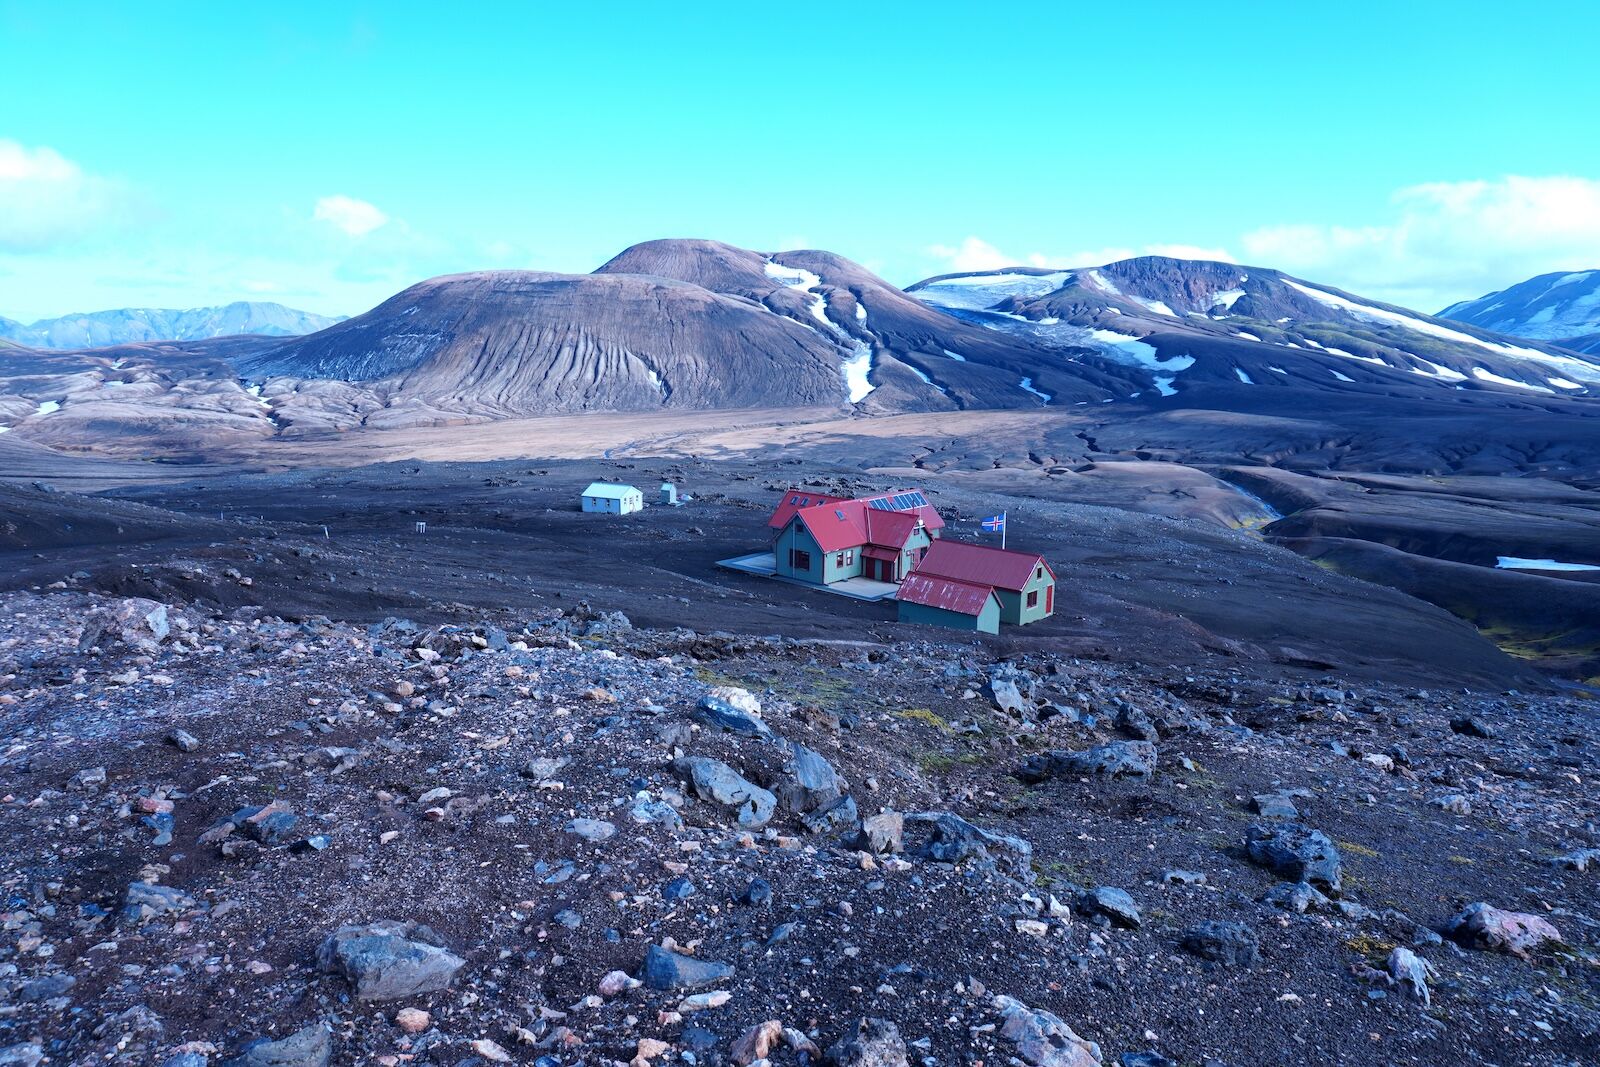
(354, 217)
(973, 254)
(976, 254)
(46, 199)
(1446, 241)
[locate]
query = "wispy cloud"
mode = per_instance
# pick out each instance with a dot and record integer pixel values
(976, 254)
(47, 199)
(1428, 246)
(357, 218)
(1445, 241)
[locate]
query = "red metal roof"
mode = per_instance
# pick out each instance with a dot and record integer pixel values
(836, 526)
(948, 594)
(889, 528)
(797, 499)
(874, 552)
(793, 501)
(981, 565)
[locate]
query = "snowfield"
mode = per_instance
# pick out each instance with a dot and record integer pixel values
(979, 292)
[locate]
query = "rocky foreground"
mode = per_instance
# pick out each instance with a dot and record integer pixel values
(235, 839)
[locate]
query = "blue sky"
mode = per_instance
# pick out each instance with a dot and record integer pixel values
(327, 155)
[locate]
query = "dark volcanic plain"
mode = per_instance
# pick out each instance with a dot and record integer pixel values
(514, 687)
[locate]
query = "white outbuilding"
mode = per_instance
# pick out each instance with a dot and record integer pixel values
(612, 498)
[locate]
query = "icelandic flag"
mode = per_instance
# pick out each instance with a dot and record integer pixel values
(995, 523)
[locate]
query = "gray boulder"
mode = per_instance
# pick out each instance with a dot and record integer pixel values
(665, 969)
(1295, 852)
(146, 900)
(876, 1043)
(311, 1047)
(1116, 759)
(1232, 943)
(1411, 972)
(1007, 697)
(948, 838)
(592, 830)
(1485, 926)
(1580, 860)
(1042, 1039)
(719, 783)
(1136, 724)
(809, 781)
(882, 833)
(385, 960)
(186, 1059)
(732, 709)
(1298, 897)
(1115, 904)
(1274, 806)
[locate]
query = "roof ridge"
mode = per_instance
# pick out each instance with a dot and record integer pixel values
(993, 548)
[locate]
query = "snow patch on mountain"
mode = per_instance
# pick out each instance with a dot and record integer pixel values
(1490, 376)
(1026, 385)
(792, 277)
(1153, 305)
(857, 369)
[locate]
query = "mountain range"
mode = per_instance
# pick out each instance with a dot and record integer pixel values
(1563, 307)
(696, 324)
(130, 325)
(703, 324)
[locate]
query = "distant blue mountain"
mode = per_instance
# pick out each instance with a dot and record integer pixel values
(1563, 308)
(125, 325)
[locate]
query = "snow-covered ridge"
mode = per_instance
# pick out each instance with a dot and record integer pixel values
(1571, 367)
(1550, 307)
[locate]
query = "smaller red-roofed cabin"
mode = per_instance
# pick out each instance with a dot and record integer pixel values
(935, 601)
(1023, 581)
(824, 539)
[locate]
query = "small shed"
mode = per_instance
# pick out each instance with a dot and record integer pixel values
(938, 601)
(1024, 582)
(611, 498)
(669, 493)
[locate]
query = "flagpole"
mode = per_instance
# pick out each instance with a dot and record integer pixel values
(1005, 520)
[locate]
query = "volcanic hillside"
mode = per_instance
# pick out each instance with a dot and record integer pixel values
(521, 342)
(1210, 326)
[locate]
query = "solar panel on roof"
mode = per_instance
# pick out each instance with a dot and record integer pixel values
(907, 501)
(879, 504)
